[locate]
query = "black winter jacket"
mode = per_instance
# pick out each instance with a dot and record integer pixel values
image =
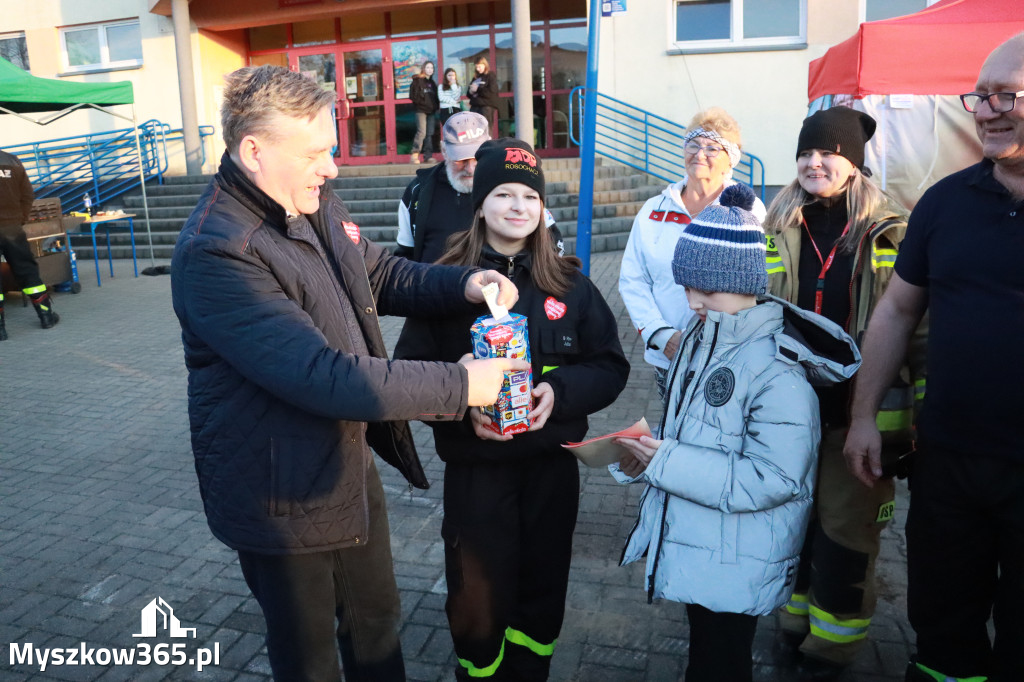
(423, 93)
(581, 349)
(486, 94)
(286, 389)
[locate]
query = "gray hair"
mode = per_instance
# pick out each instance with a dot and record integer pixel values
(255, 94)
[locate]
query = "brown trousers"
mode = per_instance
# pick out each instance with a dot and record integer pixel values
(835, 597)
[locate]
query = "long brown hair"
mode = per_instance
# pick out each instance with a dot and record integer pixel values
(550, 272)
(864, 201)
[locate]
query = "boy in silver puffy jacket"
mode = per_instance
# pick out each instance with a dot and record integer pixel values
(729, 486)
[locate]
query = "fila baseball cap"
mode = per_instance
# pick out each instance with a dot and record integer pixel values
(463, 133)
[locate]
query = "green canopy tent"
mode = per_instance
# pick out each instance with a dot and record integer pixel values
(22, 93)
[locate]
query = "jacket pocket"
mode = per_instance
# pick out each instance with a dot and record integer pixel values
(557, 345)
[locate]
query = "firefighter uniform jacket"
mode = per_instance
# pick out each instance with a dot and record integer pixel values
(574, 346)
(16, 192)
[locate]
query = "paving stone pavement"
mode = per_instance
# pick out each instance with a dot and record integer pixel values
(100, 514)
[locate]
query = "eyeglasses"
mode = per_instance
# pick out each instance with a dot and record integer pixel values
(710, 151)
(999, 102)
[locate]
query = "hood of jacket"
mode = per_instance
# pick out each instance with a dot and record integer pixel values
(826, 352)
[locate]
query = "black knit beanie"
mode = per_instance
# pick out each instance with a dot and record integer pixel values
(840, 130)
(505, 160)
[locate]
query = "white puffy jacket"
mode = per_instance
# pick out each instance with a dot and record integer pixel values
(651, 295)
(730, 488)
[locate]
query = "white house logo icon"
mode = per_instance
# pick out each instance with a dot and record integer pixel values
(151, 615)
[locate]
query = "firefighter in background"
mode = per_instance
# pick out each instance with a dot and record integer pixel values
(832, 242)
(16, 197)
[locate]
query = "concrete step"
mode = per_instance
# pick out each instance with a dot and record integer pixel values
(372, 194)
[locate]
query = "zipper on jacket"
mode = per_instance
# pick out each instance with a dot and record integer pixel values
(664, 510)
(858, 263)
(511, 266)
(657, 553)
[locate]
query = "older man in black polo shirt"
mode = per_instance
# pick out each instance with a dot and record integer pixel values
(963, 260)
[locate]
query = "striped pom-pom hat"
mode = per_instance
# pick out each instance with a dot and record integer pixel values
(723, 249)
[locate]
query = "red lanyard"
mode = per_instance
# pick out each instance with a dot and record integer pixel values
(825, 265)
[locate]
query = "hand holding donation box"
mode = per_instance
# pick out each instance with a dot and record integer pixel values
(603, 450)
(504, 335)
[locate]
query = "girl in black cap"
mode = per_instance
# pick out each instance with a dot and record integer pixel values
(510, 502)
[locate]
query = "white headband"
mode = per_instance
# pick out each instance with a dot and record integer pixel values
(733, 149)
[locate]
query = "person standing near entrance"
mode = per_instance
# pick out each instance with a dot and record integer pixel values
(483, 91)
(423, 93)
(449, 95)
(961, 261)
(278, 296)
(16, 196)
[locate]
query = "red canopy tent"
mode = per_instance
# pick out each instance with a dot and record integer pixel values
(937, 51)
(906, 72)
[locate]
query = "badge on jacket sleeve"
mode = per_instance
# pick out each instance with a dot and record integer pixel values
(554, 308)
(352, 230)
(719, 386)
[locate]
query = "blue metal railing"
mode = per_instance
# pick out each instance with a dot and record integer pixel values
(102, 165)
(639, 139)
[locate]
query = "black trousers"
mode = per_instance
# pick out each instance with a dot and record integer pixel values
(317, 604)
(488, 113)
(446, 113)
(965, 561)
(15, 249)
(508, 545)
(721, 646)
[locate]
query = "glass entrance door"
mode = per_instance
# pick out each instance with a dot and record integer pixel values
(366, 103)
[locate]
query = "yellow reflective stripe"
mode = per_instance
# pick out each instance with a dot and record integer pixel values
(939, 677)
(34, 290)
(919, 387)
(797, 604)
(894, 420)
(826, 626)
(522, 639)
(886, 511)
(774, 265)
(882, 258)
(547, 368)
(473, 671)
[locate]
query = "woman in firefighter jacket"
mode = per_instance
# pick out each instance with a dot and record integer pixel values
(833, 236)
(510, 502)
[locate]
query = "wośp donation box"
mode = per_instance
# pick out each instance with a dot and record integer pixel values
(506, 339)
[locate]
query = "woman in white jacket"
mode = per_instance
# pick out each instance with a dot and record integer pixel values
(656, 304)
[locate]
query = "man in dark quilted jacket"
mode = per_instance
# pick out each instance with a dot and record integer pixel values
(278, 294)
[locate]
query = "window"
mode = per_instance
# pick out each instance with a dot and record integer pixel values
(714, 25)
(874, 10)
(14, 49)
(102, 46)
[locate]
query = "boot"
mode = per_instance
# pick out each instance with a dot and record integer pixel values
(44, 308)
(3, 329)
(414, 158)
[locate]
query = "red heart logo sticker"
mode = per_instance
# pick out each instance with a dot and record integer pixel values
(554, 309)
(352, 230)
